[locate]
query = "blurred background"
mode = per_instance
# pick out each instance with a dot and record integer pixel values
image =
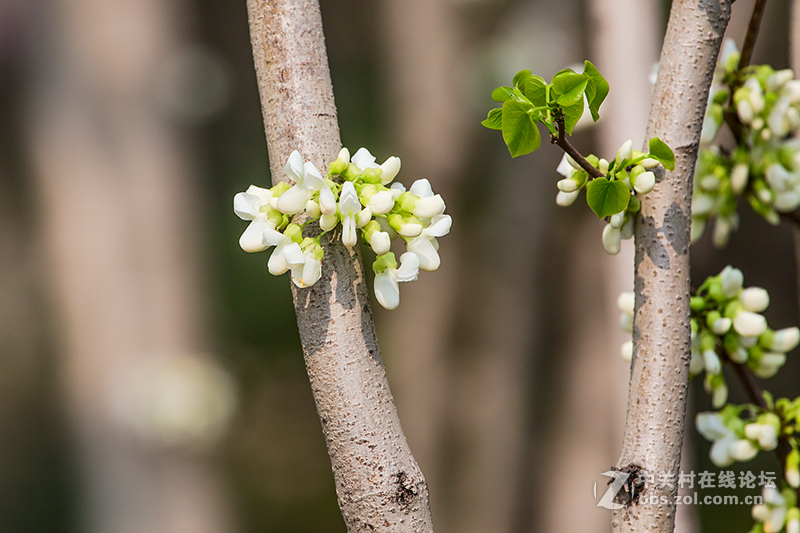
(151, 377)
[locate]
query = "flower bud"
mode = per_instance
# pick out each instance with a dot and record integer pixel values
(749, 324)
(624, 151)
(754, 299)
(743, 450)
(785, 340)
(328, 222)
(567, 185)
(645, 182)
(617, 220)
(566, 198)
(721, 326)
(739, 355)
(381, 202)
(739, 177)
(611, 239)
(380, 242)
(389, 169)
(429, 207)
(732, 280)
(626, 302)
(711, 362)
(626, 322)
(627, 351)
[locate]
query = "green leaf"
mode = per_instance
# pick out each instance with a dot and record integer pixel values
(534, 89)
(495, 119)
(663, 153)
(572, 114)
(501, 94)
(520, 77)
(519, 128)
(596, 91)
(570, 87)
(607, 198)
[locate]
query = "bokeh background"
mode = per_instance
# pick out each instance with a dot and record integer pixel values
(151, 378)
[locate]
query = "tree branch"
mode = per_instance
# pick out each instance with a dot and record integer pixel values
(561, 141)
(378, 483)
(654, 425)
(752, 34)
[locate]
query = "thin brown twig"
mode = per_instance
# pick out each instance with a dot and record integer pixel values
(752, 33)
(561, 141)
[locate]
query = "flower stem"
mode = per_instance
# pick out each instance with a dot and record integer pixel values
(752, 33)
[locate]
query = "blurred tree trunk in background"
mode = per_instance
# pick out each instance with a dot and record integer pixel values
(122, 227)
(588, 438)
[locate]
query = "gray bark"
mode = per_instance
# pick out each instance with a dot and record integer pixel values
(378, 483)
(660, 368)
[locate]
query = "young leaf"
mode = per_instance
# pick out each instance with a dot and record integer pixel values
(569, 86)
(520, 77)
(534, 89)
(519, 128)
(663, 153)
(501, 94)
(572, 114)
(600, 89)
(495, 119)
(607, 198)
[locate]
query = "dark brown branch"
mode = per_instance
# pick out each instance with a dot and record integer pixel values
(792, 216)
(561, 141)
(752, 33)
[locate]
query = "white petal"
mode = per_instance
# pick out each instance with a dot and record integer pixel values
(624, 151)
(712, 362)
(380, 242)
(294, 255)
(566, 198)
(626, 302)
(739, 177)
(749, 324)
(720, 451)
(246, 206)
(411, 230)
(252, 240)
(429, 206)
(387, 291)
(363, 217)
(423, 247)
(294, 200)
(768, 437)
(277, 262)
(363, 159)
(611, 239)
(397, 188)
(645, 182)
(348, 200)
(732, 279)
(294, 167)
(627, 351)
(743, 450)
(564, 168)
(440, 226)
(381, 202)
(421, 188)
(389, 169)
(328, 222)
(327, 201)
(349, 237)
(710, 426)
(312, 179)
(312, 209)
(344, 155)
(274, 237)
(263, 194)
(312, 271)
(786, 339)
(721, 326)
(409, 267)
(754, 299)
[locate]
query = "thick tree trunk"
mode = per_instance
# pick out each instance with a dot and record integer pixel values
(378, 483)
(660, 369)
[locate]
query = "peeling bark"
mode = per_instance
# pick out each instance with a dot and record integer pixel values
(378, 483)
(662, 345)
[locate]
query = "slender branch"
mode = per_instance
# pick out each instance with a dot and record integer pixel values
(752, 34)
(793, 217)
(756, 395)
(750, 384)
(654, 425)
(561, 141)
(379, 485)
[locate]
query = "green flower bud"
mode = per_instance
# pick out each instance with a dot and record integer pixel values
(337, 167)
(280, 188)
(294, 232)
(372, 175)
(382, 262)
(697, 303)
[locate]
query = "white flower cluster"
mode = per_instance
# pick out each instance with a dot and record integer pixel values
(735, 439)
(727, 325)
(779, 509)
(631, 167)
(765, 165)
(358, 194)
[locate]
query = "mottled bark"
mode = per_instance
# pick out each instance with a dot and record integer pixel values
(378, 483)
(660, 369)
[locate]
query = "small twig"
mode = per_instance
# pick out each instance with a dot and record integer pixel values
(561, 141)
(756, 395)
(752, 33)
